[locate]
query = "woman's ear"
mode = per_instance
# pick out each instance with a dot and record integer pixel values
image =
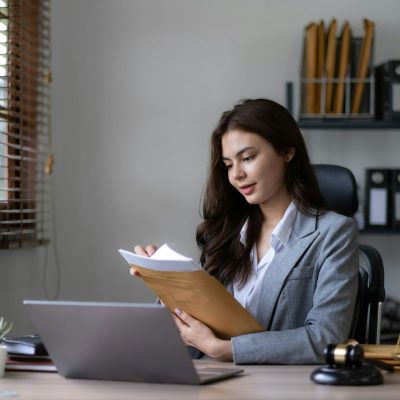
(289, 154)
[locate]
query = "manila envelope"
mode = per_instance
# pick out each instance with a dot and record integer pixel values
(203, 297)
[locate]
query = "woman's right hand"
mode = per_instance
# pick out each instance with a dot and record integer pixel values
(147, 251)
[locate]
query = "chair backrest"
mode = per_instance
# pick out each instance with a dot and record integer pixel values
(371, 272)
(339, 189)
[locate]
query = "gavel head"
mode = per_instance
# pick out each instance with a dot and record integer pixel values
(344, 355)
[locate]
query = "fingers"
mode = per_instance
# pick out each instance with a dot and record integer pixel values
(151, 249)
(185, 317)
(134, 272)
(179, 322)
(182, 327)
(147, 251)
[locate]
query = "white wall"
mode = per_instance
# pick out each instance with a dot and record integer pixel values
(138, 87)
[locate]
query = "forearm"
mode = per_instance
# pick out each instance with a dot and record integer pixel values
(293, 346)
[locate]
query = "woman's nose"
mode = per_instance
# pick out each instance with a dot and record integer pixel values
(237, 172)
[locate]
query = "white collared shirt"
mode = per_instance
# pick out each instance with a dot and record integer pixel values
(247, 294)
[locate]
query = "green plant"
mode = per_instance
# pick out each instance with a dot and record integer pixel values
(5, 327)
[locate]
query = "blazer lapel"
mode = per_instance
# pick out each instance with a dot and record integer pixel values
(304, 232)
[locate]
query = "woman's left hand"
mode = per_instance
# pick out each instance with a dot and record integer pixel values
(195, 333)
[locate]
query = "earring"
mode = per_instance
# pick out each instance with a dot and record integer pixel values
(290, 154)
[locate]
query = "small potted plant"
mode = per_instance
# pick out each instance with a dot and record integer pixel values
(5, 327)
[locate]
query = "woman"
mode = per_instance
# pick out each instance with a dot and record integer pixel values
(268, 236)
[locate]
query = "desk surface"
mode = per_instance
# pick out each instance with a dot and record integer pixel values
(257, 382)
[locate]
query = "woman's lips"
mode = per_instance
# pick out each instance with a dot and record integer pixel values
(247, 189)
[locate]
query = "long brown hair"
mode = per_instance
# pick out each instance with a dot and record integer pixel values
(225, 210)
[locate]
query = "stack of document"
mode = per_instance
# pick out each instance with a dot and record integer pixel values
(170, 260)
(29, 345)
(181, 283)
(336, 69)
(383, 352)
(27, 353)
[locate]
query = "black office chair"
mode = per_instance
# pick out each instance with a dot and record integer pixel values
(339, 189)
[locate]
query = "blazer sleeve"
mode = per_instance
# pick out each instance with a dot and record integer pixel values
(330, 316)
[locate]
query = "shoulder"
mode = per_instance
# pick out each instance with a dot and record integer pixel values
(335, 240)
(331, 220)
(337, 232)
(326, 223)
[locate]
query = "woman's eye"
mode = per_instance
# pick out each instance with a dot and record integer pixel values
(248, 158)
(228, 166)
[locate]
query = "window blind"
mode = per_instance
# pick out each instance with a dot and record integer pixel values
(25, 163)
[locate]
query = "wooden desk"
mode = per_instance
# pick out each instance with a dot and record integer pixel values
(258, 382)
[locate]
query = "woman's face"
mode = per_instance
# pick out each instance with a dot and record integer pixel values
(254, 167)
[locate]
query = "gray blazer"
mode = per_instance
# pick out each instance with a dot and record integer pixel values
(307, 296)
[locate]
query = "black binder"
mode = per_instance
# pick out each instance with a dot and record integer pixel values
(378, 199)
(387, 91)
(395, 201)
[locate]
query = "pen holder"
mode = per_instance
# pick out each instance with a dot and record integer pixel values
(346, 367)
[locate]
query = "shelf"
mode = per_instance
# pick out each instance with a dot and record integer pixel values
(323, 123)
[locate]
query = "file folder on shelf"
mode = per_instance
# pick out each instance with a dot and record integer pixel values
(395, 195)
(377, 199)
(330, 65)
(311, 67)
(363, 65)
(320, 67)
(387, 91)
(338, 106)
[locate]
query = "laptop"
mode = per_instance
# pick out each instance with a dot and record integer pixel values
(117, 341)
